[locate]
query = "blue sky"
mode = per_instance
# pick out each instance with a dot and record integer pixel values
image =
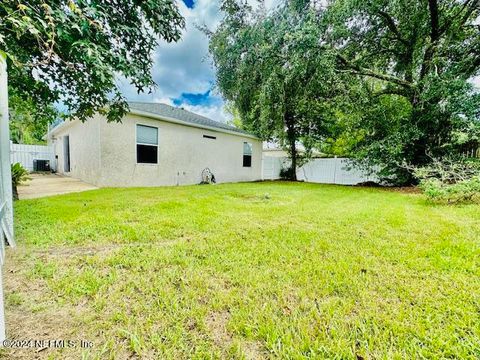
(206, 99)
(183, 71)
(189, 3)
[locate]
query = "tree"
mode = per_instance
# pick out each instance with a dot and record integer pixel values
(415, 58)
(271, 67)
(236, 119)
(28, 123)
(74, 51)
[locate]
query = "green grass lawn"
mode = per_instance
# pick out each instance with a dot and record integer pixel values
(253, 270)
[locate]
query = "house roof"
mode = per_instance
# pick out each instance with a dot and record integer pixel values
(175, 115)
(168, 112)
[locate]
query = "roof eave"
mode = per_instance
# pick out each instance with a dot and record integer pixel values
(186, 123)
(62, 126)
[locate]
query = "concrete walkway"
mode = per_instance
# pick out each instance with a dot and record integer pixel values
(43, 185)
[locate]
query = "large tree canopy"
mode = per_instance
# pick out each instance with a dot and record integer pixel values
(271, 67)
(74, 51)
(385, 81)
(415, 58)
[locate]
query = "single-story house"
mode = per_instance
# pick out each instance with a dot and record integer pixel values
(155, 145)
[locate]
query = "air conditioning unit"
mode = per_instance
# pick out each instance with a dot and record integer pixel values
(41, 165)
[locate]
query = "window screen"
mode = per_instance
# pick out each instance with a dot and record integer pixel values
(247, 154)
(147, 144)
(147, 135)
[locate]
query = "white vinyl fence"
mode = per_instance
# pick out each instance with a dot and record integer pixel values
(324, 171)
(26, 154)
(272, 166)
(333, 171)
(6, 200)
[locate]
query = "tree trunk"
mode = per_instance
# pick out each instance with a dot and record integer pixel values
(15, 192)
(293, 149)
(293, 155)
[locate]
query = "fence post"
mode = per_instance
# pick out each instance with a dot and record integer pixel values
(6, 172)
(335, 170)
(6, 198)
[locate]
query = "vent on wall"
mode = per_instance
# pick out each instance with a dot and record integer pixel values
(209, 137)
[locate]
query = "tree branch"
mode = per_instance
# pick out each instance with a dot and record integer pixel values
(468, 5)
(437, 32)
(392, 26)
(358, 70)
(391, 91)
(434, 27)
(474, 66)
(434, 36)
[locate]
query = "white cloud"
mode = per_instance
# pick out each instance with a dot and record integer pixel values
(185, 66)
(476, 81)
(214, 112)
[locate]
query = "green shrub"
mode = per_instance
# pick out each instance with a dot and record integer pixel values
(460, 192)
(450, 181)
(287, 173)
(19, 175)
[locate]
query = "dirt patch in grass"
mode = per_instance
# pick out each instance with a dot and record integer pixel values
(400, 189)
(216, 323)
(49, 325)
(253, 350)
(406, 189)
(34, 314)
(91, 250)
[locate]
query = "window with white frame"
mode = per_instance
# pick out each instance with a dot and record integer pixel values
(147, 144)
(247, 154)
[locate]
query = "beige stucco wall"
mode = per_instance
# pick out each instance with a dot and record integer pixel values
(183, 154)
(84, 150)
